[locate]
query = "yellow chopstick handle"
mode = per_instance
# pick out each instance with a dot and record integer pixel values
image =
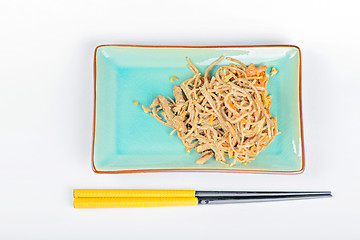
(134, 202)
(132, 193)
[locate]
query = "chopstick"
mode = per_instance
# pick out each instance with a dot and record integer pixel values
(134, 202)
(132, 193)
(182, 193)
(125, 198)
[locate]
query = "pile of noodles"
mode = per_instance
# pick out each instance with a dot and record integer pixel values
(226, 114)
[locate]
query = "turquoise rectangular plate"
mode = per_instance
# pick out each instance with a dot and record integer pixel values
(128, 140)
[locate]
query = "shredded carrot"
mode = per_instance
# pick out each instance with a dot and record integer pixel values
(231, 154)
(251, 67)
(264, 140)
(211, 118)
(231, 104)
(263, 97)
(136, 102)
(174, 77)
(267, 103)
(251, 71)
(188, 150)
(273, 72)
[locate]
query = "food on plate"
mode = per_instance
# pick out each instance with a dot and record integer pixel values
(172, 79)
(273, 72)
(222, 115)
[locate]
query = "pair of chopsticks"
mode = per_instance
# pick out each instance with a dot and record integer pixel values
(128, 198)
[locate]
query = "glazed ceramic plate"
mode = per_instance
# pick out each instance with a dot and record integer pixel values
(128, 140)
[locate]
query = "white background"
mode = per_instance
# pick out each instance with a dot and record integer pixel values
(46, 103)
